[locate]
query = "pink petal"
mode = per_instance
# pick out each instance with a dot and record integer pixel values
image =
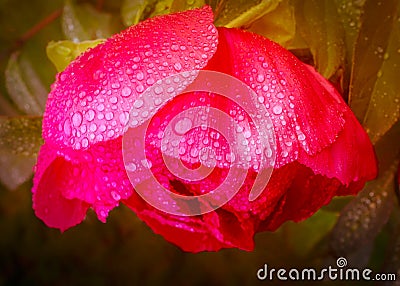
(95, 177)
(301, 107)
(316, 135)
(52, 174)
(91, 99)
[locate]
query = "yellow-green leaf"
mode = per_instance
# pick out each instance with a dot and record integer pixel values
(318, 23)
(303, 237)
(63, 52)
(378, 21)
(182, 5)
(279, 25)
(20, 140)
(132, 11)
(384, 106)
(241, 13)
(83, 22)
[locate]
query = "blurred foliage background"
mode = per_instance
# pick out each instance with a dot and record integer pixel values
(355, 44)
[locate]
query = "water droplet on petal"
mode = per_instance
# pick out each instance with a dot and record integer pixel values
(280, 95)
(130, 167)
(138, 103)
(67, 127)
(140, 75)
(77, 119)
(177, 66)
(183, 126)
(301, 137)
(277, 109)
(126, 91)
(260, 78)
(115, 195)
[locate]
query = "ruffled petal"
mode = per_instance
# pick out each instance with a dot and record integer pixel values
(351, 158)
(53, 175)
(90, 101)
(95, 177)
(306, 117)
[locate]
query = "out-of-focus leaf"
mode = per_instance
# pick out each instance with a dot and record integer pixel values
(279, 25)
(83, 22)
(319, 25)
(162, 7)
(20, 140)
(304, 236)
(337, 204)
(132, 11)
(63, 52)
(363, 218)
(182, 5)
(241, 13)
(24, 86)
(378, 21)
(350, 15)
(384, 106)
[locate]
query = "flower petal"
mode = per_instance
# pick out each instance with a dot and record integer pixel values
(49, 204)
(95, 177)
(304, 113)
(91, 99)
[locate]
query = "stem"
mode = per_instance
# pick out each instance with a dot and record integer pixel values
(39, 26)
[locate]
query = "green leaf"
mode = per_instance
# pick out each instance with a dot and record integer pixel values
(133, 10)
(384, 106)
(378, 22)
(161, 7)
(279, 25)
(363, 218)
(63, 52)
(24, 85)
(182, 5)
(319, 25)
(20, 140)
(241, 13)
(350, 16)
(83, 22)
(304, 236)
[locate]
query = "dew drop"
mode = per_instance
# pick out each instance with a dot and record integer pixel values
(124, 117)
(90, 114)
(115, 85)
(301, 137)
(77, 119)
(177, 66)
(140, 88)
(109, 115)
(67, 127)
(131, 167)
(100, 107)
(280, 95)
(126, 91)
(140, 75)
(85, 142)
(183, 126)
(115, 195)
(277, 109)
(260, 78)
(138, 103)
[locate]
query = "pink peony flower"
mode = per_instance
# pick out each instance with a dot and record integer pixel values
(321, 149)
